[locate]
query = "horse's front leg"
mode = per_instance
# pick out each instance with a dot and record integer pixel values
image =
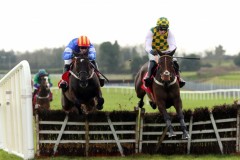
(167, 119)
(100, 100)
(178, 107)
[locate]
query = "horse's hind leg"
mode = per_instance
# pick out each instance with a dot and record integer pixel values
(141, 103)
(140, 95)
(139, 91)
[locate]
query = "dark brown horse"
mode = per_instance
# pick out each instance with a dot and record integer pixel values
(42, 97)
(84, 93)
(165, 91)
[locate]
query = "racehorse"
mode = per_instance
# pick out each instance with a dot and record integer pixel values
(43, 96)
(164, 92)
(84, 93)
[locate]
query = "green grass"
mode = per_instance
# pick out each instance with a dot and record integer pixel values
(6, 156)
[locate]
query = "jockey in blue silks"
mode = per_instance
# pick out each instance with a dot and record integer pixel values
(78, 45)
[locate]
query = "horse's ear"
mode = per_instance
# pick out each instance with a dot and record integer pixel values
(74, 53)
(159, 52)
(172, 53)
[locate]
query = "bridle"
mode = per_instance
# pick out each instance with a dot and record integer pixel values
(166, 75)
(77, 75)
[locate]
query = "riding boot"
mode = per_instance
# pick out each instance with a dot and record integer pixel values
(176, 67)
(148, 80)
(101, 80)
(63, 84)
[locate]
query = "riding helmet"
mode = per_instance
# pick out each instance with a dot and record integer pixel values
(83, 41)
(163, 23)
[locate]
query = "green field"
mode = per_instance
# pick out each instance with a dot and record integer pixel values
(125, 99)
(6, 156)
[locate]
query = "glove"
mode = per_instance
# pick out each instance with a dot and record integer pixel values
(154, 52)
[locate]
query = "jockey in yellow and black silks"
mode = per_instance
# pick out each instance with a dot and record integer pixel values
(162, 39)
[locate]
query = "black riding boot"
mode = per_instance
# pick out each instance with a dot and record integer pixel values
(66, 68)
(176, 67)
(148, 80)
(63, 84)
(101, 80)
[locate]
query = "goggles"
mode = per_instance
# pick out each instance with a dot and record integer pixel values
(83, 47)
(162, 28)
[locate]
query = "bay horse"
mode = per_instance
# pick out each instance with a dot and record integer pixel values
(84, 92)
(164, 92)
(43, 95)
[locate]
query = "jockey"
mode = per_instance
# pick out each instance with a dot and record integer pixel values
(78, 45)
(36, 81)
(162, 39)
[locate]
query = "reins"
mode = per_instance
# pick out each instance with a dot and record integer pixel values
(74, 75)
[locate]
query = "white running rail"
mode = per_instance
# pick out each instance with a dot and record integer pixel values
(16, 115)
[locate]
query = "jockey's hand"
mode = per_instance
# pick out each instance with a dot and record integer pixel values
(154, 52)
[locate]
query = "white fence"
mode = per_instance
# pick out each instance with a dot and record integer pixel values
(16, 122)
(193, 95)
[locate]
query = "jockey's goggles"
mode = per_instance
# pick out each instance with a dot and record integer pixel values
(162, 29)
(83, 47)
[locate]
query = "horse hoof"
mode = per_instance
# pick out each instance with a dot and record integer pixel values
(185, 136)
(140, 104)
(99, 107)
(171, 135)
(153, 105)
(100, 101)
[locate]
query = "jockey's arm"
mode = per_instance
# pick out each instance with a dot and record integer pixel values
(148, 41)
(67, 55)
(92, 53)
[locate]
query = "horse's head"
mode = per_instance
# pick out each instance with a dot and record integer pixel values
(82, 69)
(44, 83)
(44, 88)
(166, 68)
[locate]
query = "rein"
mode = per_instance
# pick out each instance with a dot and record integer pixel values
(74, 75)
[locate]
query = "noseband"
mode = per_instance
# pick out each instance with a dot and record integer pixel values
(77, 75)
